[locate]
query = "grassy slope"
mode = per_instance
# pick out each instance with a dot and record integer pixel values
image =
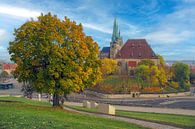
(179, 120)
(27, 114)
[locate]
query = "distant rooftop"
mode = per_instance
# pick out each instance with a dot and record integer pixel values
(190, 62)
(105, 50)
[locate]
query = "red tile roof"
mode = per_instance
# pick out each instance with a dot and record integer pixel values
(9, 66)
(136, 49)
(192, 69)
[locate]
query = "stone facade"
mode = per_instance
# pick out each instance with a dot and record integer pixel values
(126, 69)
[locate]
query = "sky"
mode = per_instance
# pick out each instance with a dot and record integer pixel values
(167, 25)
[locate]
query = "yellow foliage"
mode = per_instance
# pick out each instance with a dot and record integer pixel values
(55, 55)
(109, 66)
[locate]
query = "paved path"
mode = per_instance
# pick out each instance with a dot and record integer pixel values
(129, 120)
(147, 109)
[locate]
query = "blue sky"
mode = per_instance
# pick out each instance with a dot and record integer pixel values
(168, 25)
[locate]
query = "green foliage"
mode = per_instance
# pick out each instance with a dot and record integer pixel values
(146, 62)
(181, 74)
(148, 74)
(142, 74)
(174, 84)
(55, 56)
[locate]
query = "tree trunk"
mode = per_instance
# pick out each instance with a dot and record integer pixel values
(56, 100)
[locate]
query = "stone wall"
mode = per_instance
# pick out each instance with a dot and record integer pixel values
(125, 96)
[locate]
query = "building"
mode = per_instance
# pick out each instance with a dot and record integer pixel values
(9, 67)
(105, 53)
(129, 54)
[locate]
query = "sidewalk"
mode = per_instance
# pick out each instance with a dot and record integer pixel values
(147, 109)
(129, 120)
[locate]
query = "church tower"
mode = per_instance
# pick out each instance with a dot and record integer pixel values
(116, 41)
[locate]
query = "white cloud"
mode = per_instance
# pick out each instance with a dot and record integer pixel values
(18, 12)
(97, 27)
(174, 28)
(169, 36)
(3, 34)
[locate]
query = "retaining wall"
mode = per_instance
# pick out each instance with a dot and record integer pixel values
(121, 96)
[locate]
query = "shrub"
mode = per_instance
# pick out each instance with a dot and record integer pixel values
(152, 90)
(174, 84)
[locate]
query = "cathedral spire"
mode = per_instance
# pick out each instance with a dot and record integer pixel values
(115, 34)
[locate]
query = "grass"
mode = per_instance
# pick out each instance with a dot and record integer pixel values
(21, 113)
(26, 101)
(170, 119)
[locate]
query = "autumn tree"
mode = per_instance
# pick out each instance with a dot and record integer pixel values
(55, 56)
(164, 73)
(149, 74)
(161, 59)
(108, 66)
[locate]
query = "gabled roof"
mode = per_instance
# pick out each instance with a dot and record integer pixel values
(105, 50)
(136, 49)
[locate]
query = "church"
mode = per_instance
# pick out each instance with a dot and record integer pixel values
(127, 54)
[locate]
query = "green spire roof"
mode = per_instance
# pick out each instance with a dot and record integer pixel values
(116, 33)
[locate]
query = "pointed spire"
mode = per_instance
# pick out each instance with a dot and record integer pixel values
(115, 33)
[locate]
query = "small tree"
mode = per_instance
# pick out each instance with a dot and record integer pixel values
(55, 56)
(109, 66)
(148, 74)
(181, 74)
(142, 74)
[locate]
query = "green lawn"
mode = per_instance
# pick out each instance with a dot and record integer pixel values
(178, 120)
(27, 114)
